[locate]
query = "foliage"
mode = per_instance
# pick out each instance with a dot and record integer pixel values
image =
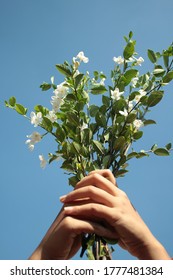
(92, 136)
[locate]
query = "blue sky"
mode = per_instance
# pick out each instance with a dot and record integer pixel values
(36, 35)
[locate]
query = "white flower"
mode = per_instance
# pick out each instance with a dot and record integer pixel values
(43, 162)
(75, 63)
(60, 91)
(115, 94)
(138, 123)
(35, 137)
(76, 73)
(82, 57)
(51, 116)
(56, 103)
(139, 61)
(124, 113)
(134, 81)
(131, 59)
(85, 125)
(102, 81)
(130, 105)
(36, 119)
(119, 59)
(52, 79)
(141, 93)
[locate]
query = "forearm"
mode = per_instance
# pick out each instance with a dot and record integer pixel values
(153, 251)
(37, 254)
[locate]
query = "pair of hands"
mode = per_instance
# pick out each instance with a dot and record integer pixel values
(97, 206)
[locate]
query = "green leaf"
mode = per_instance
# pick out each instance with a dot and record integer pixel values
(131, 117)
(159, 71)
(98, 89)
(87, 135)
(154, 98)
(137, 135)
(119, 105)
(67, 166)
(77, 80)
(20, 109)
(130, 34)
(154, 147)
(73, 119)
(12, 101)
(106, 100)
(152, 57)
(161, 152)
(133, 95)
(169, 146)
(63, 69)
(98, 147)
(47, 124)
(166, 60)
(132, 155)
(129, 75)
(40, 108)
(6, 103)
(121, 173)
(148, 122)
(141, 155)
(76, 147)
(73, 181)
(106, 161)
(129, 50)
(101, 119)
(144, 100)
(168, 77)
(52, 158)
(119, 143)
(60, 134)
(45, 86)
(93, 109)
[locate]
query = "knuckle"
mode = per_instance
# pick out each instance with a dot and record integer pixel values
(67, 221)
(123, 194)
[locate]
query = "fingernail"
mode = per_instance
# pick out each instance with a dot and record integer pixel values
(62, 198)
(68, 209)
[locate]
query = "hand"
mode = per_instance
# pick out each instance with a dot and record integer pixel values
(63, 239)
(103, 203)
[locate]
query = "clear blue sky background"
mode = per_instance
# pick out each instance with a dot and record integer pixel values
(36, 35)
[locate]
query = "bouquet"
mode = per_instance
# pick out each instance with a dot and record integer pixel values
(96, 136)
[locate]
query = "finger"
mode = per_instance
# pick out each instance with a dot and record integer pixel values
(98, 181)
(106, 173)
(78, 227)
(93, 211)
(89, 192)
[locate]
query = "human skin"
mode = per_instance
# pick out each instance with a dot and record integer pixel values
(97, 205)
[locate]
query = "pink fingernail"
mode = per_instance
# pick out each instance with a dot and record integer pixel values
(68, 209)
(62, 198)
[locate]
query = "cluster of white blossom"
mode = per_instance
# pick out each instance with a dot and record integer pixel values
(56, 101)
(120, 60)
(61, 91)
(35, 137)
(116, 94)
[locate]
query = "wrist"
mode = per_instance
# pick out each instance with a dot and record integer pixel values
(153, 251)
(38, 254)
